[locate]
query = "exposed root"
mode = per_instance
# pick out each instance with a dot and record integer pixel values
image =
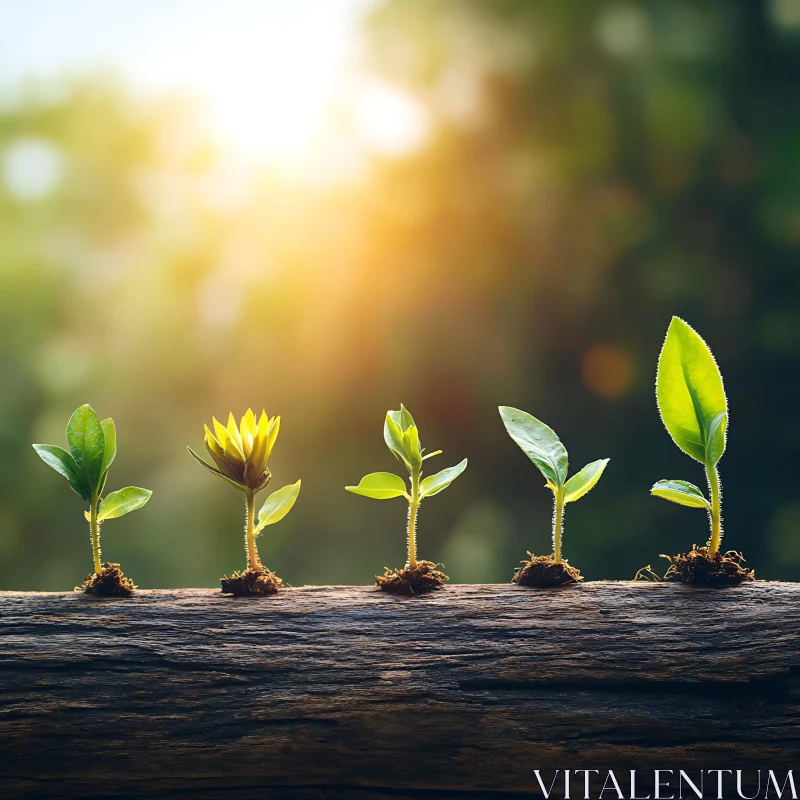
(648, 574)
(251, 582)
(697, 567)
(545, 571)
(111, 582)
(420, 579)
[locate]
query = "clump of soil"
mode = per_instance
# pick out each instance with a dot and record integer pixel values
(545, 571)
(251, 582)
(420, 579)
(699, 568)
(111, 582)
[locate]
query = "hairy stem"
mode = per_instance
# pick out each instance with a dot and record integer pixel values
(558, 522)
(716, 509)
(253, 561)
(413, 509)
(94, 529)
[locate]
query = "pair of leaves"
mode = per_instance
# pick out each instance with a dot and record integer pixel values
(386, 485)
(277, 506)
(693, 406)
(543, 447)
(92, 448)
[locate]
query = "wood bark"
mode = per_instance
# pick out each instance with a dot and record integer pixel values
(339, 692)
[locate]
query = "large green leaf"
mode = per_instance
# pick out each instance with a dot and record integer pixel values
(87, 444)
(216, 472)
(380, 486)
(110, 436)
(581, 482)
(278, 505)
(122, 502)
(64, 464)
(681, 492)
(690, 394)
(434, 484)
(538, 442)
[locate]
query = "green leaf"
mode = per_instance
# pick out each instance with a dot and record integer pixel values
(110, 436)
(87, 445)
(405, 420)
(64, 464)
(380, 486)
(681, 492)
(690, 394)
(216, 472)
(393, 436)
(411, 447)
(278, 505)
(434, 484)
(122, 502)
(581, 482)
(539, 442)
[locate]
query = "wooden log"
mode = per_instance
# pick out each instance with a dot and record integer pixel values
(338, 692)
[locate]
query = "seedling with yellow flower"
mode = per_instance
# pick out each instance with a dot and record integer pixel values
(241, 455)
(92, 448)
(402, 437)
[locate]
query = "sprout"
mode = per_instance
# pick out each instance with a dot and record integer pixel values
(402, 438)
(92, 448)
(542, 446)
(241, 454)
(694, 409)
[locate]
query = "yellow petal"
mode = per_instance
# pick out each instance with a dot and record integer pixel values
(221, 433)
(212, 444)
(258, 456)
(235, 439)
(247, 429)
(273, 435)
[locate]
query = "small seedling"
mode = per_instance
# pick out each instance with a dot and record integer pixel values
(540, 443)
(402, 438)
(92, 447)
(241, 453)
(694, 410)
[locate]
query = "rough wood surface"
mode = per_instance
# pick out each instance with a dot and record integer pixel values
(338, 692)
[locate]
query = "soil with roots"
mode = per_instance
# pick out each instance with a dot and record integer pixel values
(251, 583)
(422, 578)
(109, 582)
(545, 572)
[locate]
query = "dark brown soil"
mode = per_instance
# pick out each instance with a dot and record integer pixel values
(697, 567)
(111, 582)
(251, 582)
(545, 571)
(421, 579)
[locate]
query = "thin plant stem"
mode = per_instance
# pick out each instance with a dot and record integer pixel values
(413, 509)
(558, 523)
(253, 561)
(94, 529)
(716, 509)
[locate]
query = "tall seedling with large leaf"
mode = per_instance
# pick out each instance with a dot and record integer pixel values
(540, 443)
(694, 409)
(92, 448)
(402, 437)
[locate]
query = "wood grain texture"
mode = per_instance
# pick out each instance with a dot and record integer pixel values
(338, 692)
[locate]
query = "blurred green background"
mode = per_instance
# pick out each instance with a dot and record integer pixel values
(325, 209)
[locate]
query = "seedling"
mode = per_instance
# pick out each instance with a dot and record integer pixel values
(694, 410)
(402, 438)
(92, 447)
(540, 443)
(241, 453)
